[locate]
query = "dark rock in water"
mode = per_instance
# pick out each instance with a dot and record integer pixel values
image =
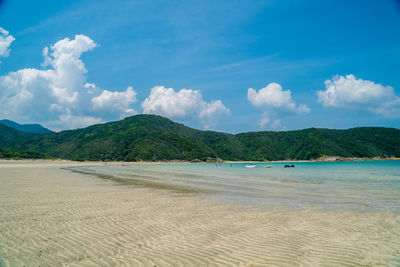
(289, 166)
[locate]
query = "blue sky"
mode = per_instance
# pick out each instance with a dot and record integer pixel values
(339, 59)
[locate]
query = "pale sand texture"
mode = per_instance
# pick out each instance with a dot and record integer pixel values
(52, 217)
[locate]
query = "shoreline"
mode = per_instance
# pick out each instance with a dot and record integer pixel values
(324, 159)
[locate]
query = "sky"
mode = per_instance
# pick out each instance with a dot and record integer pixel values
(228, 65)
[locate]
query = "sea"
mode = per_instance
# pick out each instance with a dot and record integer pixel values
(352, 185)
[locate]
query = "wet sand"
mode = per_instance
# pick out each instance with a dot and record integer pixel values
(51, 216)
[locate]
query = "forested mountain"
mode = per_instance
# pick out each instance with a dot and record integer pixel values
(152, 137)
(27, 128)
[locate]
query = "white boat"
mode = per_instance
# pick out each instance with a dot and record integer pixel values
(250, 166)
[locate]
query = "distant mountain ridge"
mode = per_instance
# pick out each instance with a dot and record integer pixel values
(152, 137)
(27, 128)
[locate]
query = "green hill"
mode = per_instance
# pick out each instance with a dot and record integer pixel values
(12, 138)
(313, 143)
(141, 137)
(151, 137)
(27, 128)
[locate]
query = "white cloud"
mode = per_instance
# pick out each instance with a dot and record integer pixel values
(59, 96)
(264, 121)
(184, 103)
(42, 95)
(273, 125)
(273, 100)
(74, 121)
(273, 97)
(167, 102)
(5, 41)
(349, 92)
(90, 87)
(211, 112)
(116, 101)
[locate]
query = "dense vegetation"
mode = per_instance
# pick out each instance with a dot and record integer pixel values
(151, 137)
(27, 128)
(8, 154)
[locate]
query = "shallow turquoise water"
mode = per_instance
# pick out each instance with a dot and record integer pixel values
(2, 264)
(366, 185)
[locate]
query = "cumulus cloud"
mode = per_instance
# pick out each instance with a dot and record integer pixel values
(349, 92)
(272, 96)
(211, 112)
(116, 101)
(184, 103)
(5, 41)
(274, 100)
(58, 95)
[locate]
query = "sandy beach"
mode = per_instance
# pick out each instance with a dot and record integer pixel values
(50, 216)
